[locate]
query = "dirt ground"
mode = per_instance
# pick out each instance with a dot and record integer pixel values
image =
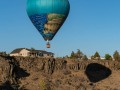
(73, 81)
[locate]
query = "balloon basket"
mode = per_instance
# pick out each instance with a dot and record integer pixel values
(48, 45)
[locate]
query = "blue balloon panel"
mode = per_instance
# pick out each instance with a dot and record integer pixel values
(47, 24)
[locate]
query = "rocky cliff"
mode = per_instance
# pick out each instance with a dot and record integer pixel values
(33, 73)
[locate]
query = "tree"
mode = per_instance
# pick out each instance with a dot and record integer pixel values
(32, 48)
(116, 55)
(92, 57)
(108, 57)
(96, 56)
(3, 54)
(66, 56)
(73, 55)
(79, 54)
(84, 57)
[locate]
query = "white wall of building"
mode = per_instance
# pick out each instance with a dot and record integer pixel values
(24, 52)
(15, 54)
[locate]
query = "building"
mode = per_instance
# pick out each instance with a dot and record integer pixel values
(20, 52)
(30, 52)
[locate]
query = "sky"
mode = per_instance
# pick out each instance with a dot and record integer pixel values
(92, 25)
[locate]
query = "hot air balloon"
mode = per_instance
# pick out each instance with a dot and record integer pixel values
(48, 16)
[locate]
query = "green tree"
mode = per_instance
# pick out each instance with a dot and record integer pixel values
(66, 56)
(108, 57)
(32, 48)
(79, 54)
(96, 56)
(3, 54)
(84, 57)
(116, 56)
(73, 55)
(92, 57)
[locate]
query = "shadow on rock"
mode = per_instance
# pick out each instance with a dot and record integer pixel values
(97, 72)
(20, 72)
(8, 86)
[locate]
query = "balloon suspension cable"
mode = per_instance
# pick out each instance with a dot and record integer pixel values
(48, 44)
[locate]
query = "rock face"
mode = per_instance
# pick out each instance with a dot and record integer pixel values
(7, 74)
(50, 65)
(30, 73)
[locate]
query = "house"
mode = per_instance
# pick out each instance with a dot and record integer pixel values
(29, 52)
(20, 52)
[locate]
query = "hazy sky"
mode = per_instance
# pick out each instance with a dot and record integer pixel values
(92, 25)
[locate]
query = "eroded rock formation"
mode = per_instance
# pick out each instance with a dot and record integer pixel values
(33, 73)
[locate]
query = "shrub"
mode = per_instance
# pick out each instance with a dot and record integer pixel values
(108, 57)
(116, 56)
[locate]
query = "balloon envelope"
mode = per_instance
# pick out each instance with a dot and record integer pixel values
(48, 15)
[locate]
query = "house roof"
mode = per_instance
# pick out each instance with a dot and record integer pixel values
(18, 50)
(37, 51)
(31, 51)
(34, 51)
